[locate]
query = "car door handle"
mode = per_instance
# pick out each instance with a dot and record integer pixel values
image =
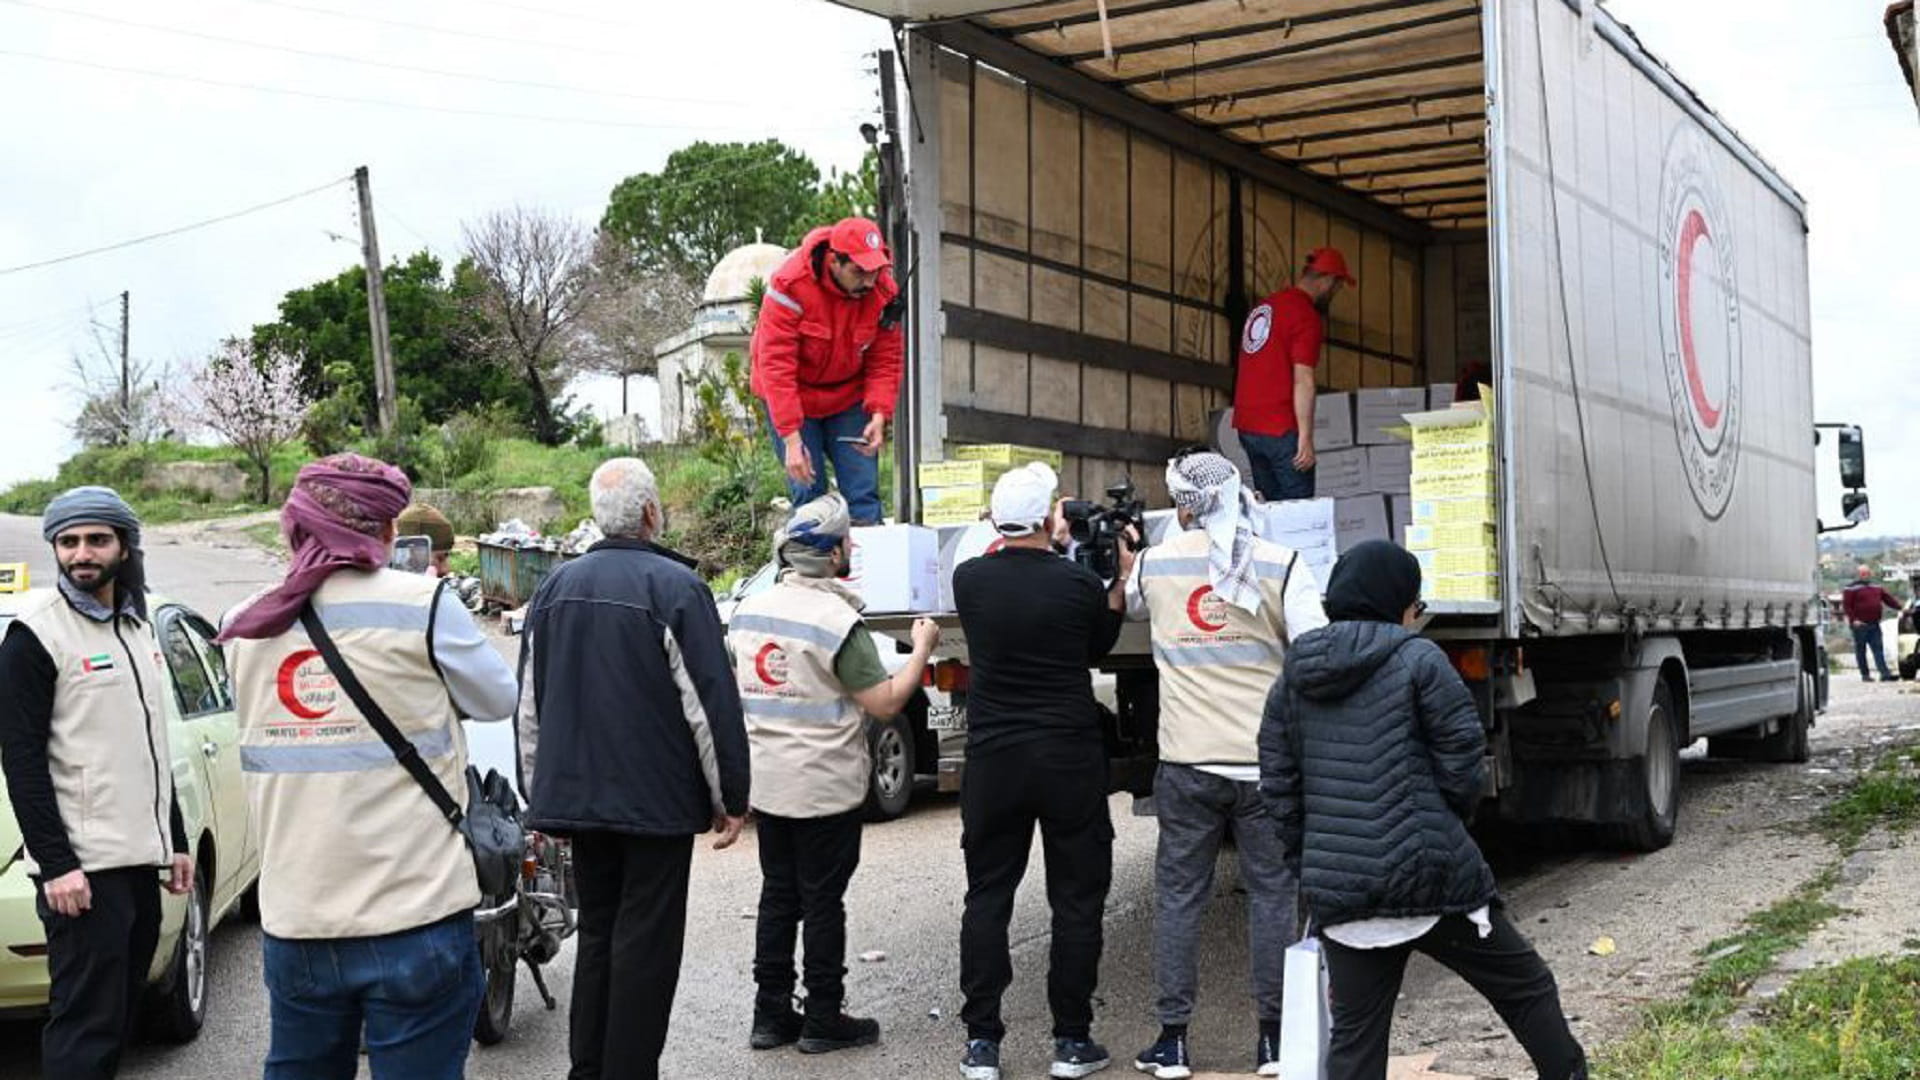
(210, 749)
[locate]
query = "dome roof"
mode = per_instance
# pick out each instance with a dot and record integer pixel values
(738, 268)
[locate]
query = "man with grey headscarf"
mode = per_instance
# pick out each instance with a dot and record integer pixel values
(1224, 604)
(809, 676)
(83, 738)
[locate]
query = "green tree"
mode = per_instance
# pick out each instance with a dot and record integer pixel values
(709, 199)
(435, 334)
(850, 194)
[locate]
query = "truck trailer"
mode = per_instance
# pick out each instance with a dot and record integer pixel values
(1090, 196)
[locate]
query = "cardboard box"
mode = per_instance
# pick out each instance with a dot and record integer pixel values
(895, 568)
(957, 545)
(1380, 408)
(934, 474)
(1300, 524)
(1440, 395)
(975, 496)
(1006, 455)
(1465, 423)
(1390, 469)
(1453, 512)
(1458, 535)
(1332, 421)
(1438, 562)
(1461, 587)
(1341, 474)
(1400, 517)
(1359, 519)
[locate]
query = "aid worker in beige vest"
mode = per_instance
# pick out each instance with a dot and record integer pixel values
(83, 735)
(809, 676)
(1224, 603)
(366, 892)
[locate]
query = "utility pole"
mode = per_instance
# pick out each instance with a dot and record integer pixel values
(126, 386)
(383, 385)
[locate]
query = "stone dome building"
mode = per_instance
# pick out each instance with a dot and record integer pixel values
(720, 325)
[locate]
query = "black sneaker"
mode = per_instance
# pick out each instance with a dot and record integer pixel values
(826, 1034)
(773, 1032)
(981, 1061)
(1074, 1058)
(1166, 1059)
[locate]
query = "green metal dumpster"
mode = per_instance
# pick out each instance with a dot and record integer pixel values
(509, 575)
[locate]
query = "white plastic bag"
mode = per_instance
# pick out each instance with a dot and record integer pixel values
(1305, 1022)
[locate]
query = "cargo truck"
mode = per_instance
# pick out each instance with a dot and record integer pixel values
(1090, 196)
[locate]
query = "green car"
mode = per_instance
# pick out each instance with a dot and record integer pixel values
(203, 734)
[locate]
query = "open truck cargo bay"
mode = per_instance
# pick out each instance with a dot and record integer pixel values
(1514, 182)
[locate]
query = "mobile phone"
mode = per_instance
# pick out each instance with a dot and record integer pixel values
(413, 554)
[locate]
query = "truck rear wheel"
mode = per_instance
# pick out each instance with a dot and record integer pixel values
(1654, 803)
(890, 787)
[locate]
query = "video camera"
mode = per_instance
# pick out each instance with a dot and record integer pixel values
(1098, 530)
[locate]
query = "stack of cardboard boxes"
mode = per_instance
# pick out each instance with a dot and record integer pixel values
(1364, 464)
(1453, 530)
(1308, 526)
(955, 492)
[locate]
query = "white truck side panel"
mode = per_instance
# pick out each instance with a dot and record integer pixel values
(1652, 295)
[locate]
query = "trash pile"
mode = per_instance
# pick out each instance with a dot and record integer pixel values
(468, 590)
(519, 534)
(584, 535)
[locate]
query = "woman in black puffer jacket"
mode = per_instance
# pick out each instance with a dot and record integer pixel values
(1370, 759)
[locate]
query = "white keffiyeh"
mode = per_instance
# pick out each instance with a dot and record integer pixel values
(1207, 486)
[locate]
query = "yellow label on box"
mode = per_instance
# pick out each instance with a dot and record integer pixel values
(1453, 512)
(1475, 433)
(1453, 457)
(1470, 534)
(1462, 587)
(939, 516)
(964, 496)
(1473, 485)
(959, 473)
(1005, 454)
(1440, 562)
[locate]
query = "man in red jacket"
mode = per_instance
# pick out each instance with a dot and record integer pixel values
(1866, 605)
(1273, 396)
(826, 361)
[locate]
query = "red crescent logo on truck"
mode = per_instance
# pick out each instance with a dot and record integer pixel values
(1691, 233)
(307, 689)
(1206, 610)
(770, 663)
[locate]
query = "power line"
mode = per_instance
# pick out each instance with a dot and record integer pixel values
(558, 14)
(383, 102)
(447, 30)
(174, 231)
(346, 58)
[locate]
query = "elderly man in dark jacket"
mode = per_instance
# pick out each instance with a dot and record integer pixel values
(1370, 758)
(631, 742)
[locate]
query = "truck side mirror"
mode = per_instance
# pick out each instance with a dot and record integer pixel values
(1853, 462)
(1854, 505)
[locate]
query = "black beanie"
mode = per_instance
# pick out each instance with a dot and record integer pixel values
(1376, 581)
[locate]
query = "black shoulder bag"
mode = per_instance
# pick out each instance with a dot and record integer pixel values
(490, 824)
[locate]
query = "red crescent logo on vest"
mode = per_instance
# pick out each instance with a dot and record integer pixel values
(771, 664)
(306, 687)
(1207, 610)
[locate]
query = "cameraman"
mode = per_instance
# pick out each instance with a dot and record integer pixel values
(1035, 623)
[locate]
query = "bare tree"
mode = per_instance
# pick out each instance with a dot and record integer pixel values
(628, 313)
(107, 417)
(251, 399)
(536, 274)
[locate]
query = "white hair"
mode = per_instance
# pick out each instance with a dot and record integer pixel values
(621, 490)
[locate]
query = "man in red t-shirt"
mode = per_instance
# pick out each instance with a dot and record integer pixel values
(1273, 395)
(1866, 605)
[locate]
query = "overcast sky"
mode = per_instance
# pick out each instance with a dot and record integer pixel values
(98, 155)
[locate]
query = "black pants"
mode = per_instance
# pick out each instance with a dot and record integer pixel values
(805, 864)
(1364, 984)
(633, 924)
(1062, 787)
(98, 963)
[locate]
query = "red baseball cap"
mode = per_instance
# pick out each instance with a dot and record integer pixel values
(1330, 262)
(859, 239)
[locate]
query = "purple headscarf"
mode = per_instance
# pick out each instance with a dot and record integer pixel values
(335, 519)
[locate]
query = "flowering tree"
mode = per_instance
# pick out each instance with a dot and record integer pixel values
(252, 399)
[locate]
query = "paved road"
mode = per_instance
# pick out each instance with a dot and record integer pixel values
(1732, 857)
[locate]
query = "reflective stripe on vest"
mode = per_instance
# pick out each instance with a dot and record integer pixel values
(824, 712)
(775, 626)
(1236, 654)
(339, 757)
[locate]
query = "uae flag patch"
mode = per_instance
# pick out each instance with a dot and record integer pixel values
(97, 662)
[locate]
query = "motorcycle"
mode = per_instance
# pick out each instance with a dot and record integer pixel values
(527, 927)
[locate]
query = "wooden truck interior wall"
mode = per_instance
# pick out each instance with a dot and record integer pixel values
(1084, 263)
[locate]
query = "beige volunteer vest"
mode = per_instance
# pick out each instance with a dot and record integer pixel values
(107, 746)
(808, 738)
(350, 845)
(1216, 661)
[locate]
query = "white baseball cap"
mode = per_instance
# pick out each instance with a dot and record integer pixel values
(1023, 498)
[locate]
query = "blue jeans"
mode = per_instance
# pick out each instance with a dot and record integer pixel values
(417, 993)
(1274, 476)
(1869, 637)
(857, 474)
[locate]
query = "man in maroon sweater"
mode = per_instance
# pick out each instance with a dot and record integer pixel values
(1866, 604)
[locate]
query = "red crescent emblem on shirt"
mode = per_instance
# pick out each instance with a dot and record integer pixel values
(1259, 328)
(1207, 610)
(771, 664)
(302, 687)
